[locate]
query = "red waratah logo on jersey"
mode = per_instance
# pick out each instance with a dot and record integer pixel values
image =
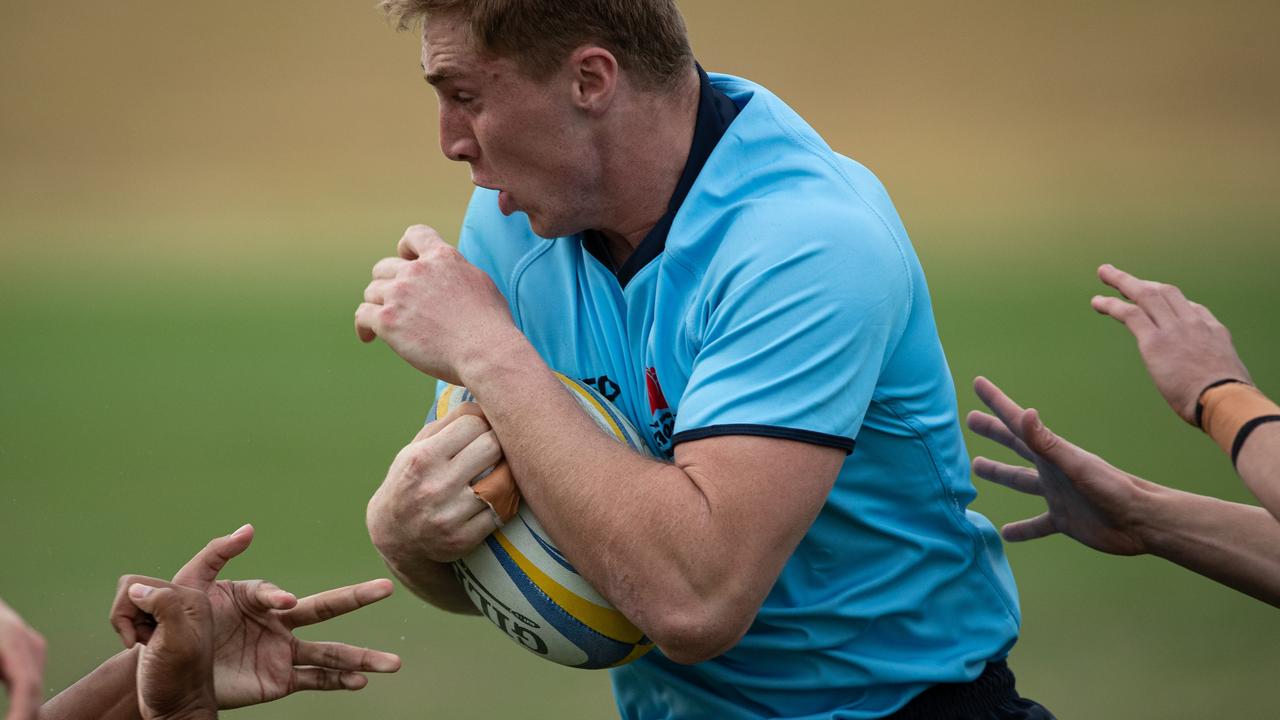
(656, 400)
(662, 421)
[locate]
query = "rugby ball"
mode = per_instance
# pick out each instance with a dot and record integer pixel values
(519, 580)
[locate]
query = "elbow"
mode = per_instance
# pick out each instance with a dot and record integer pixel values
(696, 635)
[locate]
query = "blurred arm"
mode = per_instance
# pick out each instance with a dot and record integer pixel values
(109, 692)
(21, 664)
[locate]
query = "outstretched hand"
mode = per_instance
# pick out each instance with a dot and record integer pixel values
(1088, 499)
(1183, 345)
(257, 659)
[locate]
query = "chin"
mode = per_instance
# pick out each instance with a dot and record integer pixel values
(550, 229)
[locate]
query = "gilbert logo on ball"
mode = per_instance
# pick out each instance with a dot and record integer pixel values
(520, 581)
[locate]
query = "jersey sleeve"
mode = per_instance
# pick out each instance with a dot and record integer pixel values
(795, 332)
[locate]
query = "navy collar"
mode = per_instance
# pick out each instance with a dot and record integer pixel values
(715, 112)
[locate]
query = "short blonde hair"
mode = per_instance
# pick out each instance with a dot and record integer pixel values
(648, 37)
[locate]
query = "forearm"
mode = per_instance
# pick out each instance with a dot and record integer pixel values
(1236, 545)
(640, 530)
(432, 581)
(108, 693)
(1259, 465)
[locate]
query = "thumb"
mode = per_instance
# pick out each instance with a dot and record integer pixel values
(162, 603)
(202, 570)
(171, 606)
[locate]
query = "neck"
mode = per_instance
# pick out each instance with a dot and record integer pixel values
(643, 162)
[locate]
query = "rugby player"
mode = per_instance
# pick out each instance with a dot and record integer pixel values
(688, 245)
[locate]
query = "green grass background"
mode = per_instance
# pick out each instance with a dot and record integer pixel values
(191, 197)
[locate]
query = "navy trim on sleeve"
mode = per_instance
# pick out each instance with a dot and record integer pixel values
(783, 433)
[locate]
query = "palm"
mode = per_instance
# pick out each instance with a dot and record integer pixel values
(1087, 508)
(257, 658)
(254, 647)
(1087, 498)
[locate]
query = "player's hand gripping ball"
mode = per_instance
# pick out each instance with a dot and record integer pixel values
(520, 581)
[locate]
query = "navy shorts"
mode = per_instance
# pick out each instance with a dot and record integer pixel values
(992, 696)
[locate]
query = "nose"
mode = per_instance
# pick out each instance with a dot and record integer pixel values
(457, 142)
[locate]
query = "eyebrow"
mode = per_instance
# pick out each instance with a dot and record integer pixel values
(438, 76)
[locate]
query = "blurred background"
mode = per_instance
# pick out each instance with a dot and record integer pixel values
(192, 194)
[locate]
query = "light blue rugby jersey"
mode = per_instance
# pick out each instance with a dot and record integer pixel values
(787, 302)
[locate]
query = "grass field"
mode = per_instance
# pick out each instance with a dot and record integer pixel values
(143, 413)
(189, 206)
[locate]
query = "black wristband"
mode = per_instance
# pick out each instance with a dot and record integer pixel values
(1207, 388)
(1244, 433)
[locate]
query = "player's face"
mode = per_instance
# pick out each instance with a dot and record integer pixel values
(522, 137)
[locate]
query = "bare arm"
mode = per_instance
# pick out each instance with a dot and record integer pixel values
(667, 544)
(1185, 349)
(1259, 466)
(1234, 544)
(22, 653)
(109, 692)
(1115, 512)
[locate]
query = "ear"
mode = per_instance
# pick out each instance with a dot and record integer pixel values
(595, 78)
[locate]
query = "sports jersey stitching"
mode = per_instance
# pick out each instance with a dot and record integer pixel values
(953, 507)
(517, 273)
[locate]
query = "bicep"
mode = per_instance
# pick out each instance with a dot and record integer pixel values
(763, 493)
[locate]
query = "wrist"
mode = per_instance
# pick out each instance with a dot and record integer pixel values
(199, 706)
(1147, 520)
(509, 352)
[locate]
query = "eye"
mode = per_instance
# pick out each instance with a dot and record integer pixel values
(462, 98)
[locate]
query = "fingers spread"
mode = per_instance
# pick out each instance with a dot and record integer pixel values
(991, 428)
(203, 569)
(313, 678)
(1053, 448)
(1150, 296)
(1133, 317)
(1029, 529)
(339, 601)
(341, 656)
(1001, 404)
(264, 596)
(1024, 480)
